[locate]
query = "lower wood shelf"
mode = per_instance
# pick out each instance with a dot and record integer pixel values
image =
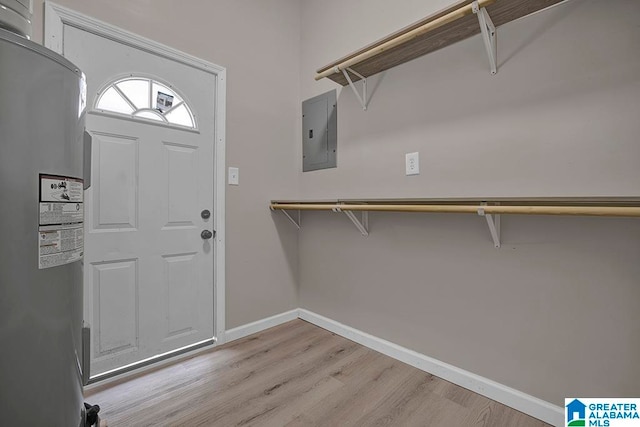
(491, 209)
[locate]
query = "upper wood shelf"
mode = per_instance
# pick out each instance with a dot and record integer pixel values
(452, 24)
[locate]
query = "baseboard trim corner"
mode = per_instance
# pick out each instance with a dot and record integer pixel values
(259, 325)
(508, 396)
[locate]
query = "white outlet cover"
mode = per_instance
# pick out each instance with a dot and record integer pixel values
(412, 163)
(234, 176)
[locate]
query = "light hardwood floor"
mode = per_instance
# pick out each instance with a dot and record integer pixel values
(296, 374)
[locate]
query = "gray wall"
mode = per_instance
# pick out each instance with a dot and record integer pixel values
(553, 312)
(252, 40)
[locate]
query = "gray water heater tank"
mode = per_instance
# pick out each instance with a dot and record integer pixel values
(15, 16)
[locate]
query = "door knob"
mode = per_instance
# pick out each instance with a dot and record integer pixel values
(206, 234)
(205, 214)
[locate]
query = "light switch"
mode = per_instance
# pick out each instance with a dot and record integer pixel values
(234, 176)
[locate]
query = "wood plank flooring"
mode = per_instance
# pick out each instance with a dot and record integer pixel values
(296, 374)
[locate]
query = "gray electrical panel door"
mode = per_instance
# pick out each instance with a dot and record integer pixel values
(319, 132)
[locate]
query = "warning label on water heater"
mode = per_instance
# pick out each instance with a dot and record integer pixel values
(62, 189)
(60, 244)
(61, 221)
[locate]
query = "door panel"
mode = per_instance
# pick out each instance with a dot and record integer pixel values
(149, 282)
(181, 294)
(181, 161)
(116, 182)
(116, 288)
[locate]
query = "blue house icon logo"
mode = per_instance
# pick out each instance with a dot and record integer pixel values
(576, 414)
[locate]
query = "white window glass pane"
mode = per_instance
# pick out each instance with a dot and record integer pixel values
(180, 116)
(111, 100)
(137, 91)
(149, 115)
(163, 98)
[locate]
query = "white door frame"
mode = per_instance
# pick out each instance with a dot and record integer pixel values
(56, 17)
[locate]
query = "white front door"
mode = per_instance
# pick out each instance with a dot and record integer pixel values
(149, 270)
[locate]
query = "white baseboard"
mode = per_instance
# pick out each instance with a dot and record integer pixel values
(508, 396)
(259, 326)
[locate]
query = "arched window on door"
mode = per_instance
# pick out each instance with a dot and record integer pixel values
(146, 99)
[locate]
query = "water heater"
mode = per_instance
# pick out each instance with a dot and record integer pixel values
(41, 225)
(15, 16)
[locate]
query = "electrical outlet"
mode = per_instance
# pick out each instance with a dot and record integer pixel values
(234, 176)
(412, 163)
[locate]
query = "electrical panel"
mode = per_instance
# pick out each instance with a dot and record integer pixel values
(319, 132)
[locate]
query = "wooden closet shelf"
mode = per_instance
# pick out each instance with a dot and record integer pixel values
(439, 30)
(584, 207)
(491, 208)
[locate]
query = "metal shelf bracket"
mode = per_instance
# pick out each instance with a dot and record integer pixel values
(362, 98)
(296, 223)
(489, 35)
(362, 225)
(493, 221)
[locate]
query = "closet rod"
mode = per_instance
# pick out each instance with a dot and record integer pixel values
(617, 211)
(403, 38)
